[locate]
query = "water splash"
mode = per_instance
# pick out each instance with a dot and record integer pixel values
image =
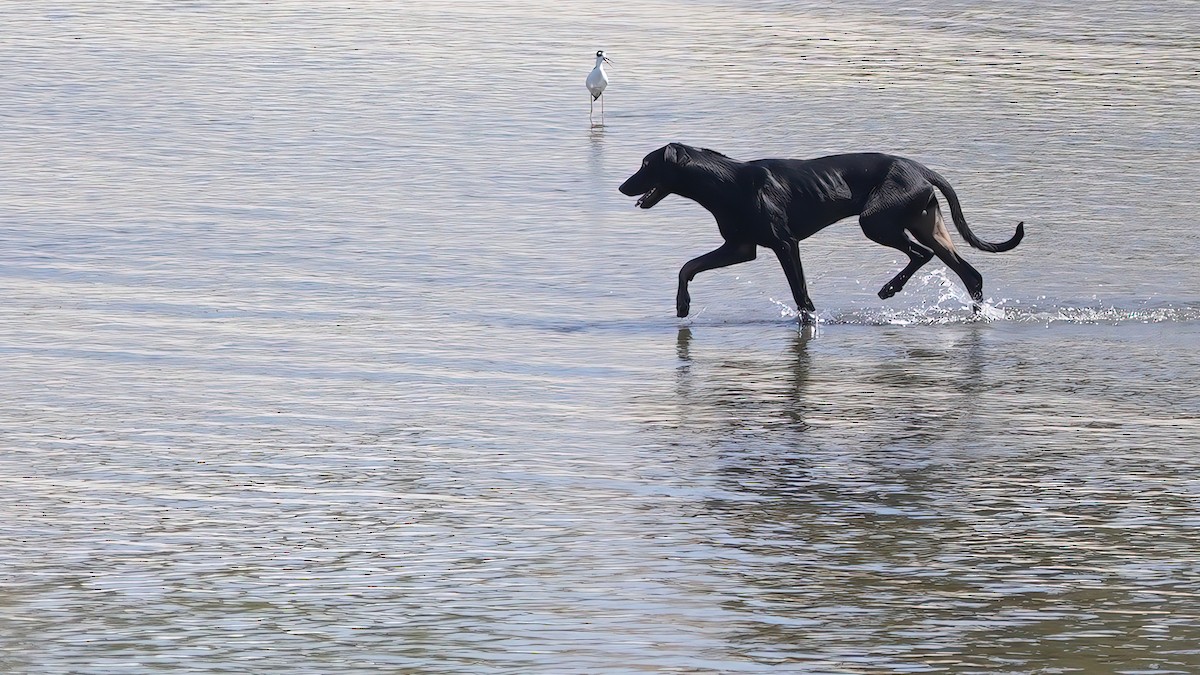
(1111, 314)
(785, 310)
(951, 304)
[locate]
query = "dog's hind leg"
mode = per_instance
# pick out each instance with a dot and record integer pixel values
(883, 229)
(727, 254)
(929, 228)
(789, 259)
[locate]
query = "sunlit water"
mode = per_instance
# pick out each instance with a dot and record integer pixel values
(328, 344)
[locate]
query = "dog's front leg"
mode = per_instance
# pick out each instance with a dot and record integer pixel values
(729, 253)
(789, 258)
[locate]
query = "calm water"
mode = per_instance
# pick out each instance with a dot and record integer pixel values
(328, 344)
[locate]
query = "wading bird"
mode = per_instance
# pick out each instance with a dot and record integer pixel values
(597, 80)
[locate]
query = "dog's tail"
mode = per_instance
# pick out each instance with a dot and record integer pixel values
(961, 222)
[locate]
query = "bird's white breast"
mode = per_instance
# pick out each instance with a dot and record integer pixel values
(597, 80)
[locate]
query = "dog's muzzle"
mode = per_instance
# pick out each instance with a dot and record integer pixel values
(651, 197)
(637, 184)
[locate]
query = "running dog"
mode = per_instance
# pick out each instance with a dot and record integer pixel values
(778, 202)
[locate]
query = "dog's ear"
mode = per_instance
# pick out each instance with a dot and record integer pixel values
(675, 153)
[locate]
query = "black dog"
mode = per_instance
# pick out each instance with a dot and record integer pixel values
(777, 202)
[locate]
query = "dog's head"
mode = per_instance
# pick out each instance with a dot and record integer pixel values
(657, 176)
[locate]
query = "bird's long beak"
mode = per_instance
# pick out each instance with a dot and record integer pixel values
(607, 60)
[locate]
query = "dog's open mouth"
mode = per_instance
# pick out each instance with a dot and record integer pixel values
(650, 198)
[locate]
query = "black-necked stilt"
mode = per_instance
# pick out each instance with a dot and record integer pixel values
(597, 80)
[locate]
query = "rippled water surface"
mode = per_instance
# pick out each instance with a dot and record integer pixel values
(328, 344)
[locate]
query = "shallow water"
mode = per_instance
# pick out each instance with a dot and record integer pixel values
(330, 346)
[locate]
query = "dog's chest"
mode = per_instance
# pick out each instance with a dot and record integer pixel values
(751, 230)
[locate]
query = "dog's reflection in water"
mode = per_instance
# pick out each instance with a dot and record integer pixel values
(744, 389)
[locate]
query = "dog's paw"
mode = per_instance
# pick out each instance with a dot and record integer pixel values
(887, 292)
(683, 304)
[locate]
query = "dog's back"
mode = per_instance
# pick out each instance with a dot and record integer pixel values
(821, 191)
